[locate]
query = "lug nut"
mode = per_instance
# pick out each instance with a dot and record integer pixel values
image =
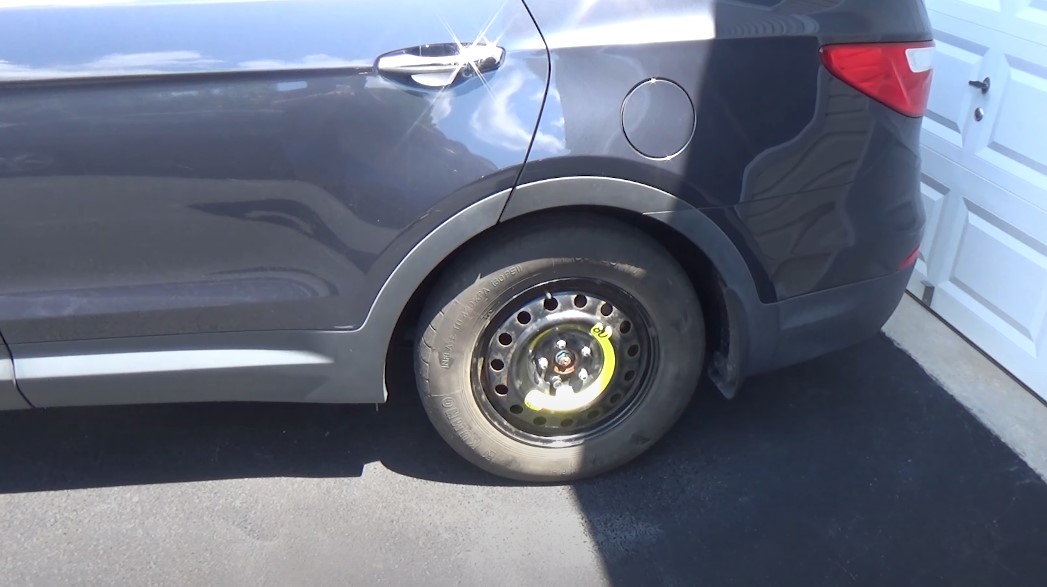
(561, 344)
(586, 351)
(543, 363)
(583, 374)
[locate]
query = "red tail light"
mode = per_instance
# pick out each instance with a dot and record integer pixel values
(896, 74)
(911, 259)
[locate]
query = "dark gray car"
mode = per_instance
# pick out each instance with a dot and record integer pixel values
(572, 210)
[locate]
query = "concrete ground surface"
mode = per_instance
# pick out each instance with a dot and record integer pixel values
(857, 468)
(1010, 410)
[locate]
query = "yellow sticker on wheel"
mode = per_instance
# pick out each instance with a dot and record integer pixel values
(602, 334)
(576, 402)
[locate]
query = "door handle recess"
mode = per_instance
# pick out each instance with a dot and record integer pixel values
(437, 66)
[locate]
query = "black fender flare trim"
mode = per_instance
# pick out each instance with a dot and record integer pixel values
(370, 342)
(750, 320)
(643, 199)
(746, 314)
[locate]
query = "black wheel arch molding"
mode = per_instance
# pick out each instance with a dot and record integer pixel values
(742, 314)
(746, 314)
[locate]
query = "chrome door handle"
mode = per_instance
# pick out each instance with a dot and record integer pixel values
(436, 66)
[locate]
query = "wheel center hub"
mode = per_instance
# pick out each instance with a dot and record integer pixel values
(550, 364)
(565, 362)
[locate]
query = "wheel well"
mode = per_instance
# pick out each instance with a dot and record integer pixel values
(703, 275)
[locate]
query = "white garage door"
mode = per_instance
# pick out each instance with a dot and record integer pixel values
(985, 181)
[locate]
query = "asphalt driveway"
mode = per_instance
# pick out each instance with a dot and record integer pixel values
(853, 469)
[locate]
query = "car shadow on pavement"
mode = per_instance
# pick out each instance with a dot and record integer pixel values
(854, 468)
(75, 448)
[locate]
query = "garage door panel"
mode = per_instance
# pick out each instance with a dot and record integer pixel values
(1033, 12)
(933, 193)
(957, 60)
(991, 331)
(993, 286)
(967, 7)
(1020, 355)
(1017, 143)
(984, 12)
(1009, 147)
(993, 5)
(937, 249)
(993, 253)
(1029, 21)
(1025, 19)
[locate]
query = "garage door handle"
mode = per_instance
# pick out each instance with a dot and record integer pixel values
(437, 66)
(981, 85)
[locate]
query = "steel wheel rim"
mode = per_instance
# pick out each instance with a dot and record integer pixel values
(594, 338)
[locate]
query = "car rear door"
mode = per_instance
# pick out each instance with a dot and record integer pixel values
(178, 167)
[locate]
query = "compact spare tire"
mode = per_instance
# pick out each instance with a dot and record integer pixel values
(559, 348)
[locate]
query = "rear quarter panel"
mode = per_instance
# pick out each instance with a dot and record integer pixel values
(815, 184)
